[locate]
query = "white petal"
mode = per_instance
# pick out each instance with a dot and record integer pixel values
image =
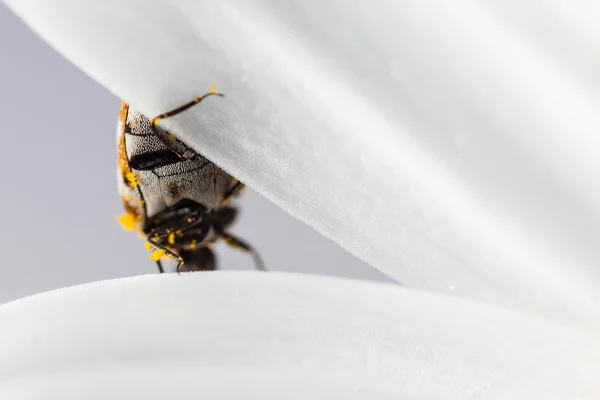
(274, 336)
(453, 145)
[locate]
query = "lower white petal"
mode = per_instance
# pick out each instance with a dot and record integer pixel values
(275, 336)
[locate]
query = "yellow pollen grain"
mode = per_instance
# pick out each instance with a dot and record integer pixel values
(132, 179)
(157, 254)
(212, 89)
(171, 239)
(128, 221)
(127, 198)
(148, 246)
(193, 245)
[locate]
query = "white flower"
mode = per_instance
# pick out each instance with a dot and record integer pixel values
(454, 145)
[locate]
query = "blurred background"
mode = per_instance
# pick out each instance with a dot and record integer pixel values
(58, 199)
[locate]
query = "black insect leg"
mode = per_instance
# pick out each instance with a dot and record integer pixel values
(176, 223)
(161, 270)
(158, 235)
(184, 107)
(236, 243)
(152, 239)
(221, 218)
(233, 191)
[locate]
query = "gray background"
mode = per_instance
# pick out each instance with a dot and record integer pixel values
(58, 185)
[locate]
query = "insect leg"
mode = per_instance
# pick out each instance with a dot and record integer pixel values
(233, 191)
(222, 218)
(152, 237)
(236, 243)
(184, 107)
(160, 267)
(172, 223)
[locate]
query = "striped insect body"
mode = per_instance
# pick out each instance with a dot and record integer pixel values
(173, 196)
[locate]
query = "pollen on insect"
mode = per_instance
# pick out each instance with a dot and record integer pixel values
(128, 220)
(193, 245)
(148, 246)
(212, 89)
(171, 239)
(157, 254)
(132, 179)
(127, 198)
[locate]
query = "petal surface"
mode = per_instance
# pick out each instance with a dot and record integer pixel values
(453, 146)
(232, 335)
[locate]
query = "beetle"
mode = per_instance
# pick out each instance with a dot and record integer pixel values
(172, 195)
